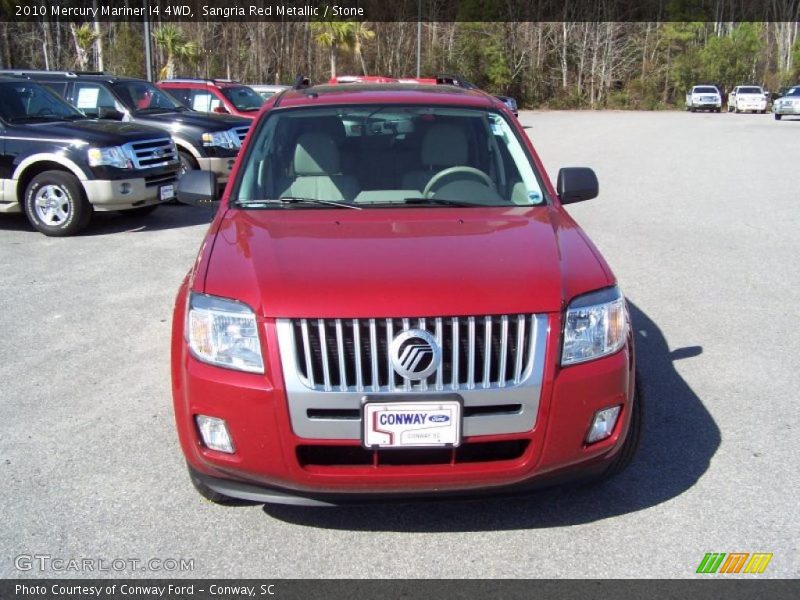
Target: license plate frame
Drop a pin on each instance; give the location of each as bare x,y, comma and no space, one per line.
445,434
167,192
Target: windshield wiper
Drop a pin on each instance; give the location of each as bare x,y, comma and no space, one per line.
438,202
293,200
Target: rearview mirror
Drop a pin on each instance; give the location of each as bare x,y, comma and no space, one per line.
197,188
576,184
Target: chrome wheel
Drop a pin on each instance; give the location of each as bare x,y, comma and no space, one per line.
52,204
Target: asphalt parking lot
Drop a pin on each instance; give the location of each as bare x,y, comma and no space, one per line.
698,216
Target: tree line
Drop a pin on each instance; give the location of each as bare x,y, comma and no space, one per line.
642,65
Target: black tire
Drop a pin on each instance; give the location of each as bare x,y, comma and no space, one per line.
188,163
625,456
207,493
141,211
693,109
778,117
56,205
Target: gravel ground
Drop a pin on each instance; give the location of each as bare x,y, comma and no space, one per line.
697,215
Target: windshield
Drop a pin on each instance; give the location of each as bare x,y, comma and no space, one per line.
243,98
705,90
795,91
27,101
379,156
141,96
750,90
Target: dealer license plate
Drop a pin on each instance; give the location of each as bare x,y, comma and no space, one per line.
412,424
167,192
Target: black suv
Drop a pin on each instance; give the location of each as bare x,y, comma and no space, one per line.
59,167
205,141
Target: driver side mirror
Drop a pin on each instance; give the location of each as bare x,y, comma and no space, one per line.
109,112
198,188
576,184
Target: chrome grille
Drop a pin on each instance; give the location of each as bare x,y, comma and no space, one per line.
353,354
241,132
146,154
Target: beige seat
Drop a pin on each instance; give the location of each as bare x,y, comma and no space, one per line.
316,171
444,146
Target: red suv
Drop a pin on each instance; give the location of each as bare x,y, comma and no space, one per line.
215,95
392,301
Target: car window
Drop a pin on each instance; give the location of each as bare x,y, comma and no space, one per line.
374,156
90,97
705,90
203,101
243,98
750,90
182,95
144,96
26,101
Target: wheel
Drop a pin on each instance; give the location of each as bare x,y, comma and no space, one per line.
188,163
631,444
692,109
141,211
55,204
736,109
207,493
778,117
763,112
717,110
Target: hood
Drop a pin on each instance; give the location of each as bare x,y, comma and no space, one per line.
199,121
93,132
401,262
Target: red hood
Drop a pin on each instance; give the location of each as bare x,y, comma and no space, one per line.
402,262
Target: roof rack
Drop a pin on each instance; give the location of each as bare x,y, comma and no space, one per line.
301,82
24,72
456,80
199,80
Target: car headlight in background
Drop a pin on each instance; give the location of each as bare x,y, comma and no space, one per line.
223,332
596,325
113,156
222,139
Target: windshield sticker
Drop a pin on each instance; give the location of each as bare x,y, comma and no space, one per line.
87,97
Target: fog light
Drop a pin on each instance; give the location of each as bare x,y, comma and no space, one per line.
603,424
215,433
125,188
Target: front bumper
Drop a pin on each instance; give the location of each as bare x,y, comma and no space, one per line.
121,194
786,110
273,464
220,166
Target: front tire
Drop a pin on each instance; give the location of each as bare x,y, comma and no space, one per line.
188,163
778,117
55,204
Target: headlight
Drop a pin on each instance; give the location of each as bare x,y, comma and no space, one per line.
596,325
113,156
223,332
223,139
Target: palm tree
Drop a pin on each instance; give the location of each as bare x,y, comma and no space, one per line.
172,40
334,35
361,32
84,37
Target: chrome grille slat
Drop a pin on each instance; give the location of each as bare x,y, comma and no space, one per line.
146,154
484,352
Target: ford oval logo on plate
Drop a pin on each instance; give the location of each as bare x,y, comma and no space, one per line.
438,418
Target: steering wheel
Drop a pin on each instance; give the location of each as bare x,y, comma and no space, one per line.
428,192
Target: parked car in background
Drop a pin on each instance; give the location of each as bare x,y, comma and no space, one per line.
393,301
205,141
704,97
510,102
788,104
221,96
58,167
267,91
746,98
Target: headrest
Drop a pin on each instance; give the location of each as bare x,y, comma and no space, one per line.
316,154
444,145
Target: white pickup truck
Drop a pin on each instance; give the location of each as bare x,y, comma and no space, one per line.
745,98
704,97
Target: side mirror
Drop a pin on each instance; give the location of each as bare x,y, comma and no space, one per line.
197,188
221,110
109,112
576,184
